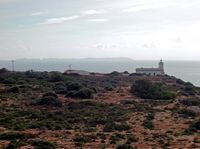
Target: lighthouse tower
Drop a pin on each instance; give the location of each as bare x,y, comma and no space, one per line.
161,66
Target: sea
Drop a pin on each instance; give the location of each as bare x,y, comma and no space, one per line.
188,71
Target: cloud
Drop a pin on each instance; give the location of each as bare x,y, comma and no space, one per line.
149,6
107,45
149,45
59,20
98,20
93,12
7,1
178,40
37,13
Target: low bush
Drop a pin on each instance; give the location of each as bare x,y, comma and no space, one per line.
50,94
109,87
3,70
128,102
83,93
82,139
114,73
148,90
14,136
125,146
60,88
195,127
131,138
189,88
56,77
110,127
190,102
71,94
14,144
73,86
148,124
8,81
185,113
116,137
179,81
122,127
42,144
14,89
50,101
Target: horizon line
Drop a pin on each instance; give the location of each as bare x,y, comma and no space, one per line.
85,58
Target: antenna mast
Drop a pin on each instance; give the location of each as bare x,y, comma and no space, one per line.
13,65
70,67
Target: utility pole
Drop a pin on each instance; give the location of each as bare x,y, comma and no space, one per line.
70,67
13,65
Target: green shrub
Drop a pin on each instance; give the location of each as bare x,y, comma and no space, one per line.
42,144
131,138
50,101
8,81
31,74
14,89
14,136
60,88
122,127
14,145
150,116
3,70
116,137
110,127
148,90
114,73
194,127
190,102
84,93
71,94
108,87
56,77
179,81
185,113
148,124
128,102
125,146
80,140
50,94
73,86
189,88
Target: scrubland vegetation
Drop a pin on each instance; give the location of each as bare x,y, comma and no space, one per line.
48,110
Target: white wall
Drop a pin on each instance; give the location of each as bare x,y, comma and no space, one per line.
152,73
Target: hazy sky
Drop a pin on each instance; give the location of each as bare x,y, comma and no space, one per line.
139,29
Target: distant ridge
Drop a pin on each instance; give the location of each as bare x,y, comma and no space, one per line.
125,59
109,59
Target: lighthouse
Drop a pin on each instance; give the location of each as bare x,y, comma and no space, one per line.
161,66
152,71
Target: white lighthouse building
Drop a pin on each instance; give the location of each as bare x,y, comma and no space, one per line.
152,71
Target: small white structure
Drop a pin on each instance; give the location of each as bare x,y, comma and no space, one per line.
79,72
152,71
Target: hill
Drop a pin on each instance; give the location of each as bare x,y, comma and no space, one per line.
54,110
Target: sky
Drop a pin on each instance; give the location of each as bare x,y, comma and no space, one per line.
138,29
